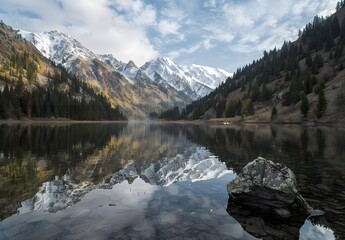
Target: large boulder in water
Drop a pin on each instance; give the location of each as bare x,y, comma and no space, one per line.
268,187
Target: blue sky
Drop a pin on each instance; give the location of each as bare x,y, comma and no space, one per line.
216,33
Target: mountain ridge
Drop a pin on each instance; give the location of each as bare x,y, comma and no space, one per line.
63,49
135,100
32,86
301,82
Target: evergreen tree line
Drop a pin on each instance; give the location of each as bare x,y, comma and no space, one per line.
322,34
79,102
170,114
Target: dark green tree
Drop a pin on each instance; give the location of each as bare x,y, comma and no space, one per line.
321,103
3,110
274,113
31,71
335,28
305,106
308,60
255,92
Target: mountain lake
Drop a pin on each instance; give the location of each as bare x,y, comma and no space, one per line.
160,181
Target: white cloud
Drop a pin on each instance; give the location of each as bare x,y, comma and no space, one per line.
190,50
327,7
166,27
224,36
210,4
173,11
238,15
96,24
299,7
263,24
135,29
135,11
207,44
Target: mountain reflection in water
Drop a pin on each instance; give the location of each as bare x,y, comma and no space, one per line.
195,164
154,181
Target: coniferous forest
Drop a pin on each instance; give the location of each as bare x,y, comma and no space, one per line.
77,101
287,77
32,86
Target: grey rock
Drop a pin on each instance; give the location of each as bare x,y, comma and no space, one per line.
270,188
255,225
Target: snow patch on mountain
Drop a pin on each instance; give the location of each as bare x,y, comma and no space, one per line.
59,47
195,81
112,61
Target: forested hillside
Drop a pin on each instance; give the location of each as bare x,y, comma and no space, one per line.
303,81
31,86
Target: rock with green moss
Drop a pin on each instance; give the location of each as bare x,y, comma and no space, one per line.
268,187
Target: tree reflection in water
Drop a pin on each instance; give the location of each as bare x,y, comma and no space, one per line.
31,155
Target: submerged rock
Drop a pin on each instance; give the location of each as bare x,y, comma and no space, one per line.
268,187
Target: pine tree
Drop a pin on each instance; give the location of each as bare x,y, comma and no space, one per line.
31,71
305,106
274,113
309,60
255,92
2,106
321,103
248,107
335,28
15,103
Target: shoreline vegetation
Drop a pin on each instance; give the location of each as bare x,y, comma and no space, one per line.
209,122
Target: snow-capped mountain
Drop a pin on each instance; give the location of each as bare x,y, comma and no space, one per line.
134,92
158,82
70,53
112,61
130,70
208,76
195,80
58,47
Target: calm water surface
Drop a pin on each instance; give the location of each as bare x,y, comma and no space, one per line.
160,181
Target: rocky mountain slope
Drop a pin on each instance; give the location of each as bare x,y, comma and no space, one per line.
195,81
32,86
134,100
302,81
155,86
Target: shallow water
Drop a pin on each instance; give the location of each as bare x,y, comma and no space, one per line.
159,181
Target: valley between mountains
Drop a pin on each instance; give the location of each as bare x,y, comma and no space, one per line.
52,75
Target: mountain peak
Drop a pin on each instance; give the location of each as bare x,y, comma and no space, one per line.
108,55
194,81
131,64
58,47
56,32
165,60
